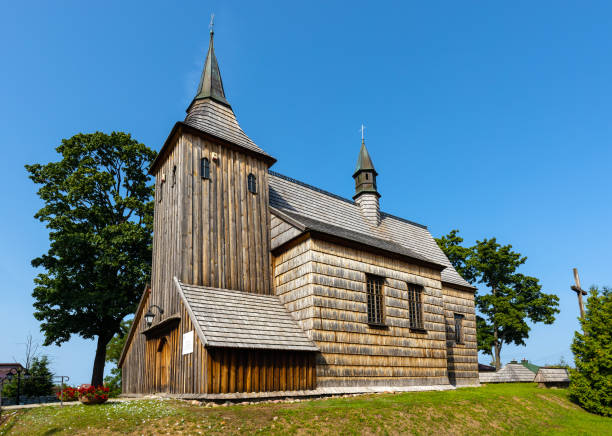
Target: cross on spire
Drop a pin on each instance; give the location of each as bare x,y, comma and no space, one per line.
362,135
211,26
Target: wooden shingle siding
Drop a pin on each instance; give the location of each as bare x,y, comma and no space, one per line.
292,196
463,357
281,232
323,285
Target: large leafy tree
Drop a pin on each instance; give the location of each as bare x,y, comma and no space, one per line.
98,207
511,298
591,381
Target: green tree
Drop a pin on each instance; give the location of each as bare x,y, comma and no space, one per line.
98,207
37,383
40,380
591,381
113,354
512,298
457,254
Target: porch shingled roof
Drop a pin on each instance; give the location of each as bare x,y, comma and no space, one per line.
236,319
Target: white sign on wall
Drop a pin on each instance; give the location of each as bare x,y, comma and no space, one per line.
188,342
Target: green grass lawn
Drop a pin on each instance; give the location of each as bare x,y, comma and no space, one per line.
493,409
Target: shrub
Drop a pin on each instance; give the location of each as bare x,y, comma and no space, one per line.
591,381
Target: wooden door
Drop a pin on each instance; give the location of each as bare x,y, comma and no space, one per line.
162,360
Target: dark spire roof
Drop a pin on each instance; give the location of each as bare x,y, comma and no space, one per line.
211,85
365,174
364,162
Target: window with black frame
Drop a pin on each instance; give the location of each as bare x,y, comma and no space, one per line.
252,182
458,328
374,288
205,168
415,306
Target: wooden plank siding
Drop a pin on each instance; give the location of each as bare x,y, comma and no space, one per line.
462,359
236,370
186,373
210,232
323,285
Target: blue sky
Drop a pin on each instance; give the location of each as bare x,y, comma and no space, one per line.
487,117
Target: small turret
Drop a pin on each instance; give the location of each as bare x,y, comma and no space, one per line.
366,194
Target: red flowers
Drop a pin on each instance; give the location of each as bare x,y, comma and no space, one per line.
93,392
68,394
87,394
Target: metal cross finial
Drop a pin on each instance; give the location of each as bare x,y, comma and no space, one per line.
362,135
211,26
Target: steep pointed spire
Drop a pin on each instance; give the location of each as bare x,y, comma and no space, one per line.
211,85
364,162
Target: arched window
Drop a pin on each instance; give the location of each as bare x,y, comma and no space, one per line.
252,183
205,168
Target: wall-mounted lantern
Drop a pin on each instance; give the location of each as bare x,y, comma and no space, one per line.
148,317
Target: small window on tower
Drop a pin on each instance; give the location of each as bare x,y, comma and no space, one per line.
252,182
173,175
205,168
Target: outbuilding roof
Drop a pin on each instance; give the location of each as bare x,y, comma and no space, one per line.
305,202
236,319
511,373
552,375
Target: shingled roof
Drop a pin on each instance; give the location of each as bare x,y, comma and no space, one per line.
219,120
304,202
511,373
236,319
552,375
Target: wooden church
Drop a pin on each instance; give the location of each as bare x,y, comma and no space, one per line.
261,283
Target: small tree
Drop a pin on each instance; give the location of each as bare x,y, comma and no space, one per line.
98,205
591,381
38,382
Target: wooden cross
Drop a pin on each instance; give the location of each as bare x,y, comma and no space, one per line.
579,291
